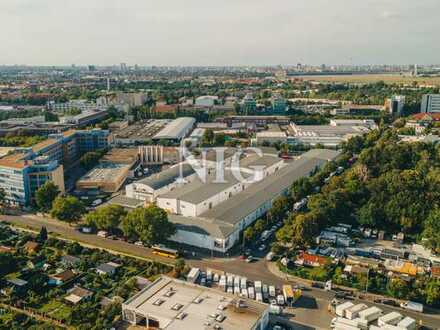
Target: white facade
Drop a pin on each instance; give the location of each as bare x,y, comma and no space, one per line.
206,101
430,103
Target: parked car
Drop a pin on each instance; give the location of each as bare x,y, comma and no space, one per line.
262,247
389,302
250,259
139,243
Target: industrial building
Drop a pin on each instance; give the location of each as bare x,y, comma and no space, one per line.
84,118
173,304
107,177
328,135
176,130
149,188
138,133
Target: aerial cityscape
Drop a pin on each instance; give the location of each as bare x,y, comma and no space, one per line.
238,165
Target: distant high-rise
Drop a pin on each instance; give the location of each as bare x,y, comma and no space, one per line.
91,68
395,105
430,103
279,104
249,105
416,70
108,84
124,67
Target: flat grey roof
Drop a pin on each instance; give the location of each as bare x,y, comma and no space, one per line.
255,160
197,191
166,177
181,300
125,201
221,219
176,129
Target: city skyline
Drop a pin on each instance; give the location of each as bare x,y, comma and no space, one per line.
250,33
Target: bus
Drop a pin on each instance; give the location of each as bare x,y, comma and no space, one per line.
163,251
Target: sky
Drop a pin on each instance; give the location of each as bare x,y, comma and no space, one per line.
221,32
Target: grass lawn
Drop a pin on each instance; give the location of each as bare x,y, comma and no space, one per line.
50,306
371,78
62,312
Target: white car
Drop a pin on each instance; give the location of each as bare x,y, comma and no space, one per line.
139,243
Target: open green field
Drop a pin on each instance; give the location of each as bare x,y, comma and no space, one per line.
371,78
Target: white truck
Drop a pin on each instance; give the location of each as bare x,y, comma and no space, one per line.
193,275
340,323
340,309
251,292
280,300
244,293
391,319
222,282
230,280
275,309
258,286
243,283
370,314
412,306
272,291
265,290
408,323
353,312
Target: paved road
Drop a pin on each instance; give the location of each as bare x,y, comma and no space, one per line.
310,309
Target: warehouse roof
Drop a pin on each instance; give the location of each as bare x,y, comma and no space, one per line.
255,160
244,203
164,178
198,191
176,129
221,219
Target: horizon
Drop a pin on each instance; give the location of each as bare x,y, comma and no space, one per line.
244,33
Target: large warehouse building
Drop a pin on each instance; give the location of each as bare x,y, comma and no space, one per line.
219,227
210,214
176,130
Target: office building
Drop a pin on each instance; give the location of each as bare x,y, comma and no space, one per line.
172,304
395,105
249,105
27,169
279,104
430,103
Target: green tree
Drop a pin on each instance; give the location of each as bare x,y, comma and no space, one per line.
431,233
68,209
208,137
219,139
432,292
248,234
259,226
8,264
45,195
279,208
398,288
107,217
149,224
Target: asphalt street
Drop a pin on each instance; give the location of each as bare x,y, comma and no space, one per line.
310,312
